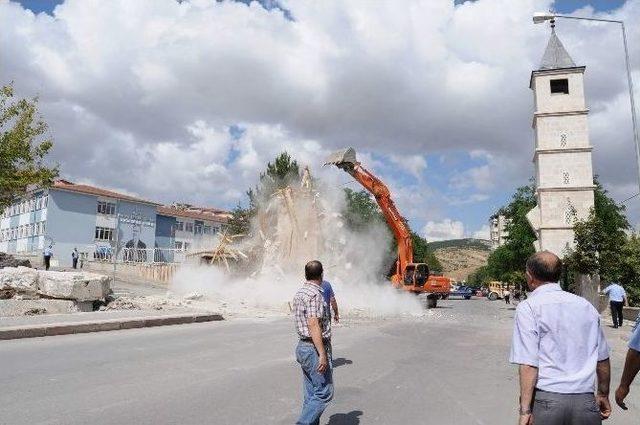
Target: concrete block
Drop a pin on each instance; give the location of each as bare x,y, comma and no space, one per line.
630,313
21,279
78,286
15,307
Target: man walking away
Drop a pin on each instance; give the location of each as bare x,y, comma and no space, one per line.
631,366
330,300
507,296
313,323
560,348
74,258
617,296
47,253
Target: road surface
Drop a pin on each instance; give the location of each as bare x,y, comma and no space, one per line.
449,367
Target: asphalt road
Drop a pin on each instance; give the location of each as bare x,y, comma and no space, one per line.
449,367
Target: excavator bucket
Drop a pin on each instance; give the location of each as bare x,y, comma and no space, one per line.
343,156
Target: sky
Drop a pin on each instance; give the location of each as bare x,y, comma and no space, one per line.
187,101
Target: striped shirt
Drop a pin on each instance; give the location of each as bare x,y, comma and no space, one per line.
308,302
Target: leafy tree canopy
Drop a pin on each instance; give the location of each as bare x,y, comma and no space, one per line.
22,147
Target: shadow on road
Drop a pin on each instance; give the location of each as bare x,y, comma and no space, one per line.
341,361
351,418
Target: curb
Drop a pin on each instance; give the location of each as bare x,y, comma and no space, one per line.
51,329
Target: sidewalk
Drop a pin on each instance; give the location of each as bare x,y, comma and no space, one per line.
97,321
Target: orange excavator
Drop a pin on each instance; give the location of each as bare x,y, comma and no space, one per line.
408,276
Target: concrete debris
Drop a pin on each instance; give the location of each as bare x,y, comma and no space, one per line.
20,279
78,286
16,307
7,260
193,296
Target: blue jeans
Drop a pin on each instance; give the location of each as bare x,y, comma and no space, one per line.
318,387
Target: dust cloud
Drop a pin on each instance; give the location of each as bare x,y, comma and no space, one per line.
298,224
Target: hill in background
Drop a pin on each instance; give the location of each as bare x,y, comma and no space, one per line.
461,257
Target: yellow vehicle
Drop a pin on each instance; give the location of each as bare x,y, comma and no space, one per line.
497,289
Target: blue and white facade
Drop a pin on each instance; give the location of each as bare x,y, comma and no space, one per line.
95,221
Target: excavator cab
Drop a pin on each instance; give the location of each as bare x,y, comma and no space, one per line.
416,275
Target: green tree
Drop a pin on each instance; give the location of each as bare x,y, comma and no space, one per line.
423,254
23,147
360,210
630,268
511,257
240,221
282,172
599,240
480,277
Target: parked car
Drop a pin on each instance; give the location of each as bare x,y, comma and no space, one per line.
462,291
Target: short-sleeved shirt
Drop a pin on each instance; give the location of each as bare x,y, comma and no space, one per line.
615,292
327,292
47,252
309,302
634,341
560,334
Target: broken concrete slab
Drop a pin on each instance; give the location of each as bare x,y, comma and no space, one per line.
14,307
7,260
78,286
21,279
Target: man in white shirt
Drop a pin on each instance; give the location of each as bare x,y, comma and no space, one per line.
560,348
631,366
617,297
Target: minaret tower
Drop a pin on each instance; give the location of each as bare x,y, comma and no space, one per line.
562,158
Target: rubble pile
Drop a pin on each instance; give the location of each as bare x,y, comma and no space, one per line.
24,290
7,260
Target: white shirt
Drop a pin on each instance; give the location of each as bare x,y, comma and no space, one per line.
560,334
615,292
634,341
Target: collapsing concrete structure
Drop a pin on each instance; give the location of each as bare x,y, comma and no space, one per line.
562,158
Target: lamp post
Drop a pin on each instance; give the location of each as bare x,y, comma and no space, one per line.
540,17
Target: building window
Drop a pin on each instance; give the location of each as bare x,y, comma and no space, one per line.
179,225
104,234
565,178
106,208
560,86
177,245
563,140
207,230
188,227
186,246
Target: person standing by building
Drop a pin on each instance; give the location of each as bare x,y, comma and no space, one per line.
631,366
507,296
330,300
313,352
617,297
74,258
47,253
560,348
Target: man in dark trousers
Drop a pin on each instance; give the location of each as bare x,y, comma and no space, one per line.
560,348
74,257
47,253
617,297
313,323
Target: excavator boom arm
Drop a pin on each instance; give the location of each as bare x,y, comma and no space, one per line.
346,160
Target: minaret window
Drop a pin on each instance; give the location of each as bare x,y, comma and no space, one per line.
565,177
560,86
563,140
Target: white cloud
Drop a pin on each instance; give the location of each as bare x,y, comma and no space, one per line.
140,94
482,233
443,230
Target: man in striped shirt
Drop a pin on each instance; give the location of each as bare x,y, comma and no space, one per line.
313,324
